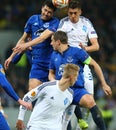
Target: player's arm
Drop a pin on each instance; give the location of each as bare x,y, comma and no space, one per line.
51,75
100,75
2,109
9,60
93,47
29,97
9,89
46,34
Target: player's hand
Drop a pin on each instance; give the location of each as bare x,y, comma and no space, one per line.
20,48
25,104
82,46
20,125
7,63
107,89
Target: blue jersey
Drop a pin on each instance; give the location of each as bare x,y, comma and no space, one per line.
71,55
6,85
35,26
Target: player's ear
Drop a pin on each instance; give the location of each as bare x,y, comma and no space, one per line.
59,42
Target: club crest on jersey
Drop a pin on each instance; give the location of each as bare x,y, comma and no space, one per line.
84,28
65,101
46,25
33,93
69,59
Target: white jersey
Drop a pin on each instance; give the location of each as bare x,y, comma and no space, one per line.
77,33
50,105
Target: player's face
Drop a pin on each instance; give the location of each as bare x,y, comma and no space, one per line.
74,14
46,13
55,44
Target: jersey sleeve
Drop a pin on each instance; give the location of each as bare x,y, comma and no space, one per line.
27,27
91,31
62,26
6,85
54,25
31,96
83,55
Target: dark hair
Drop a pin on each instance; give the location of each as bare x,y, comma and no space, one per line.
49,4
74,4
62,36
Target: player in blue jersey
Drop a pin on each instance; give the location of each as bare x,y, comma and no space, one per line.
40,27
66,54
4,83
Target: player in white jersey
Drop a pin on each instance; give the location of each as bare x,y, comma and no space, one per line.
80,31
52,99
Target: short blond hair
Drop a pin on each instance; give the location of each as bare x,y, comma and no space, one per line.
70,69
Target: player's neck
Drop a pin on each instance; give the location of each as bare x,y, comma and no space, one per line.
63,84
63,48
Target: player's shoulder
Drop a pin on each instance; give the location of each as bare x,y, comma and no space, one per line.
65,19
34,16
50,83
85,20
55,18
47,85
2,70
71,91
74,48
1,66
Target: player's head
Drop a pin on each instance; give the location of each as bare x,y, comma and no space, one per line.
59,38
71,71
47,10
74,10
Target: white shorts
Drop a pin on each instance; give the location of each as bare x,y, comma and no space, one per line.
89,85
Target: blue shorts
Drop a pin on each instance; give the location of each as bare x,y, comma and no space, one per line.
3,123
78,94
37,73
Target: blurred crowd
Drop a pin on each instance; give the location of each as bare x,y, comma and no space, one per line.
14,14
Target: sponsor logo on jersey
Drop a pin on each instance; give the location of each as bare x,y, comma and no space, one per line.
61,70
39,32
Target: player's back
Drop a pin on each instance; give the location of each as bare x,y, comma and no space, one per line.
50,106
